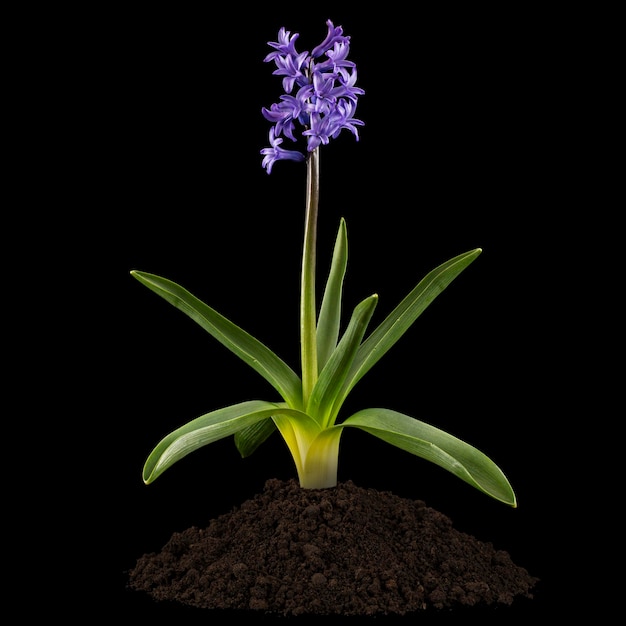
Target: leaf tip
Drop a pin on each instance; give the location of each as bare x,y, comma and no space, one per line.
147,476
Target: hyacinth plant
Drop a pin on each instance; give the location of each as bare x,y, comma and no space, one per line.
319,101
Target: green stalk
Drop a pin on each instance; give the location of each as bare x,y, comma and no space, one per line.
308,338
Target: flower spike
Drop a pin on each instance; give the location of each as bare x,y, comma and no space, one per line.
325,99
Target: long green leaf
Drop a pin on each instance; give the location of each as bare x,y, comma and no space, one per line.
248,439
329,383
245,346
437,446
209,428
329,319
403,316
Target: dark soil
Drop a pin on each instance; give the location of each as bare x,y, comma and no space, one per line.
344,551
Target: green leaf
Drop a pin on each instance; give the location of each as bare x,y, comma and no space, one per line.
205,430
250,438
330,312
250,350
322,403
437,446
403,316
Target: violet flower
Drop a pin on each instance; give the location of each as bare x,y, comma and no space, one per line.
326,97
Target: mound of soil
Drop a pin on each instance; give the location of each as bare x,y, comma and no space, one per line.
340,551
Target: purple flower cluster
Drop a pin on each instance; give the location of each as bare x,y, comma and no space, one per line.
325,94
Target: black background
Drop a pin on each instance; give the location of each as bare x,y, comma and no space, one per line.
467,143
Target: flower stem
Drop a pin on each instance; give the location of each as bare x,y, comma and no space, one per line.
308,338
